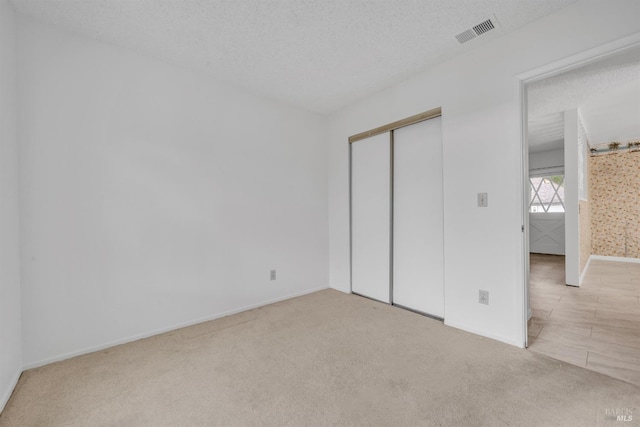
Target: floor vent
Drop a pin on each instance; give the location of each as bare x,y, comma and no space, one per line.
477,30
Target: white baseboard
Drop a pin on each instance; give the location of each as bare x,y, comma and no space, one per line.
606,258
614,258
483,333
7,393
584,272
92,349
345,290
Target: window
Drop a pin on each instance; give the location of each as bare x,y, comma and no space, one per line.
547,194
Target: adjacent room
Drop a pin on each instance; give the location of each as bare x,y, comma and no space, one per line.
584,146
317,213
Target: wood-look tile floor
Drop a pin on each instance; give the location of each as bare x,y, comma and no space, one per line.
596,326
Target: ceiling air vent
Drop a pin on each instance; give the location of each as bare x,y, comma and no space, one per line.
477,30
466,36
484,27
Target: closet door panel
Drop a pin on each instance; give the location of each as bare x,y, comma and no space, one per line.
370,217
418,253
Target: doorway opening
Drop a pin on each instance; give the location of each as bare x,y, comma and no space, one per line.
581,189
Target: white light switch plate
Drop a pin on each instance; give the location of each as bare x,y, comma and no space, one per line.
483,200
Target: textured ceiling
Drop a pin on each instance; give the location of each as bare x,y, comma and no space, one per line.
606,92
546,132
317,54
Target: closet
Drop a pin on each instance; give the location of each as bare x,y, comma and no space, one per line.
397,253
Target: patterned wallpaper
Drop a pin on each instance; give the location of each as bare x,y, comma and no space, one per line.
614,186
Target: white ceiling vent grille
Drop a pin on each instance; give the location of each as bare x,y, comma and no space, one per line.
484,27
466,36
477,30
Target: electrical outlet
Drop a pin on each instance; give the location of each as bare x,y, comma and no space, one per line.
272,275
483,200
483,297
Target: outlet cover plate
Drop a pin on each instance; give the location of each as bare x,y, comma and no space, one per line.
483,297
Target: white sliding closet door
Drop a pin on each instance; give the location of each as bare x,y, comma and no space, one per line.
370,217
418,254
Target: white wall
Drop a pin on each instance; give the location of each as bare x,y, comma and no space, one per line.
154,197
546,159
479,96
10,335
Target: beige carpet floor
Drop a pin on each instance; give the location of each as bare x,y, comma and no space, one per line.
317,360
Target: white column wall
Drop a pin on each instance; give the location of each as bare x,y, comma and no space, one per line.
571,199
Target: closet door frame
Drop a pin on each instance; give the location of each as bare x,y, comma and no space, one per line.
390,127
